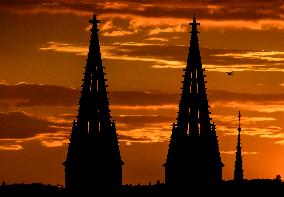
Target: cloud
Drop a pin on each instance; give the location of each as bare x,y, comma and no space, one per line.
236,14
153,132
234,152
174,56
142,116
175,8
267,107
222,95
142,119
118,33
27,95
65,47
53,140
19,125
179,28
157,39
10,147
280,142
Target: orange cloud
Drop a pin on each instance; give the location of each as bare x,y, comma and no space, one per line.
268,107
118,33
220,60
157,39
65,47
234,152
149,107
159,132
10,147
262,24
178,28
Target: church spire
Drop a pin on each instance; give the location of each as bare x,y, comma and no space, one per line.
238,173
193,114
193,156
93,160
93,114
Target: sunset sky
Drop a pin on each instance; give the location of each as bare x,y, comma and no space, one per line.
144,45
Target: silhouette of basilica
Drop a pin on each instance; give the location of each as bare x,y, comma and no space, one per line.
193,159
93,160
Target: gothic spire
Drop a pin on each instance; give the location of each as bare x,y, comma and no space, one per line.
193,156
94,114
238,173
193,114
93,160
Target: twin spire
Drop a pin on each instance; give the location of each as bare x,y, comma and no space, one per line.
93,160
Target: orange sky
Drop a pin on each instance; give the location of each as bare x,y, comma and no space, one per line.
144,47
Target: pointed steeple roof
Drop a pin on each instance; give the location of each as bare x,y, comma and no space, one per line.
238,173
93,161
193,114
193,157
94,113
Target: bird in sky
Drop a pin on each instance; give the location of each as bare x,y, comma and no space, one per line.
230,73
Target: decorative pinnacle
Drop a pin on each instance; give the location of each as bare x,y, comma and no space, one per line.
239,129
94,20
194,24
95,23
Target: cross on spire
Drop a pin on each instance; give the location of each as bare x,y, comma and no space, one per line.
194,24
239,129
95,22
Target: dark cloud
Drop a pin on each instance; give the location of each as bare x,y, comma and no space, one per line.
18,125
29,95
133,139
220,95
258,59
127,122
150,119
237,9
142,98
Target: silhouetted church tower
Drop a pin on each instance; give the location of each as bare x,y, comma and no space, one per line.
93,160
193,159
238,173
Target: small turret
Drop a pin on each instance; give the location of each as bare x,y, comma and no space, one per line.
238,173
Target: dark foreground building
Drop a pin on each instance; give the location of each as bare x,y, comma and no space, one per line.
193,159
93,162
